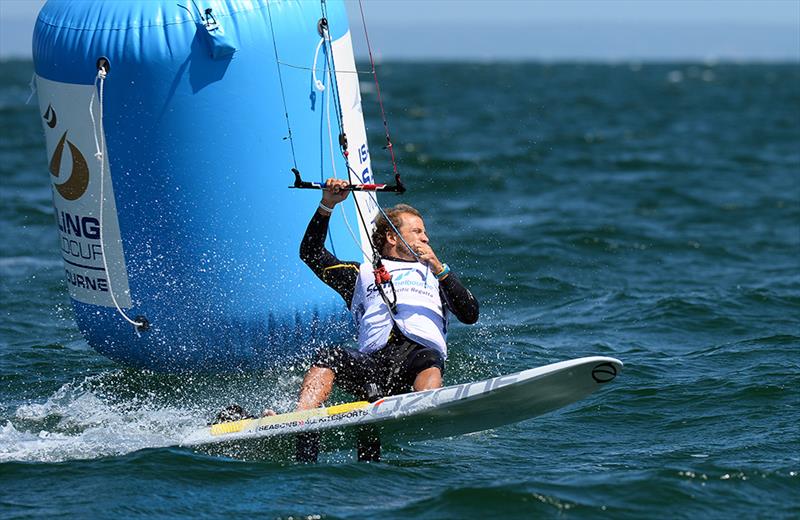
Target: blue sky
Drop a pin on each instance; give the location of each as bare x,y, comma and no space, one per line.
602,30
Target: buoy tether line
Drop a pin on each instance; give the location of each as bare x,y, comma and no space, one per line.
103,67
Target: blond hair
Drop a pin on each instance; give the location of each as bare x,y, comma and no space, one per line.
383,227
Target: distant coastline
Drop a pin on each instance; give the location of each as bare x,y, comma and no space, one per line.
540,41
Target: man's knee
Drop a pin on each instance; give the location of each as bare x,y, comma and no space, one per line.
319,377
428,379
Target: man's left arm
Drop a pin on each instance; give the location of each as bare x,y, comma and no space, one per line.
459,299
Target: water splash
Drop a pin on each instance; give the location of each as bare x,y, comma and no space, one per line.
122,411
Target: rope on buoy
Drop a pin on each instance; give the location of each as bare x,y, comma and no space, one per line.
140,323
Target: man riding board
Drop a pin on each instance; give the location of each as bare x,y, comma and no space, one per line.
402,325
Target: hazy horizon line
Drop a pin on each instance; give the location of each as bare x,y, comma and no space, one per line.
518,40
712,62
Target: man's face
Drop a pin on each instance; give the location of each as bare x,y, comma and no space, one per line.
412,229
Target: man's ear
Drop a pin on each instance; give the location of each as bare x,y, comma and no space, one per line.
391,238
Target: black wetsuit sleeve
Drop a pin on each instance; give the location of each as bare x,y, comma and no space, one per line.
459,299
340,276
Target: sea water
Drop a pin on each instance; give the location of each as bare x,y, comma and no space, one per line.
649,212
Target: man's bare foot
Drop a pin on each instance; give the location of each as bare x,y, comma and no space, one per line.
269,412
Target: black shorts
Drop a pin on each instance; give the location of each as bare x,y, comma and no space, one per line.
391,369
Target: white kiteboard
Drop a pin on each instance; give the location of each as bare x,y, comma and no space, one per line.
417,416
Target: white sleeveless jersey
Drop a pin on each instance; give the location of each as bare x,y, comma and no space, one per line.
420,311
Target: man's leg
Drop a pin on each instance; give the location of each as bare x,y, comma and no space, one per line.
316,388
369,442
428,379
348,369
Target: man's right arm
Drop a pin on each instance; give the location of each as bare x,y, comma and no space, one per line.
340,276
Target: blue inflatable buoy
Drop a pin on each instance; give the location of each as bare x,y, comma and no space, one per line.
171,130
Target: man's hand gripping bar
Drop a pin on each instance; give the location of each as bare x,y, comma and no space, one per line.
299,183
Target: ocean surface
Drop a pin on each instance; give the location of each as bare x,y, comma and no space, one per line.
649,212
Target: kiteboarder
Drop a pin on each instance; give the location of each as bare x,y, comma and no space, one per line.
400,303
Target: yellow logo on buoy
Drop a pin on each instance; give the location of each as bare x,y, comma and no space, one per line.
77,183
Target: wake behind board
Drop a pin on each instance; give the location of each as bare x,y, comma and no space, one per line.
417,416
